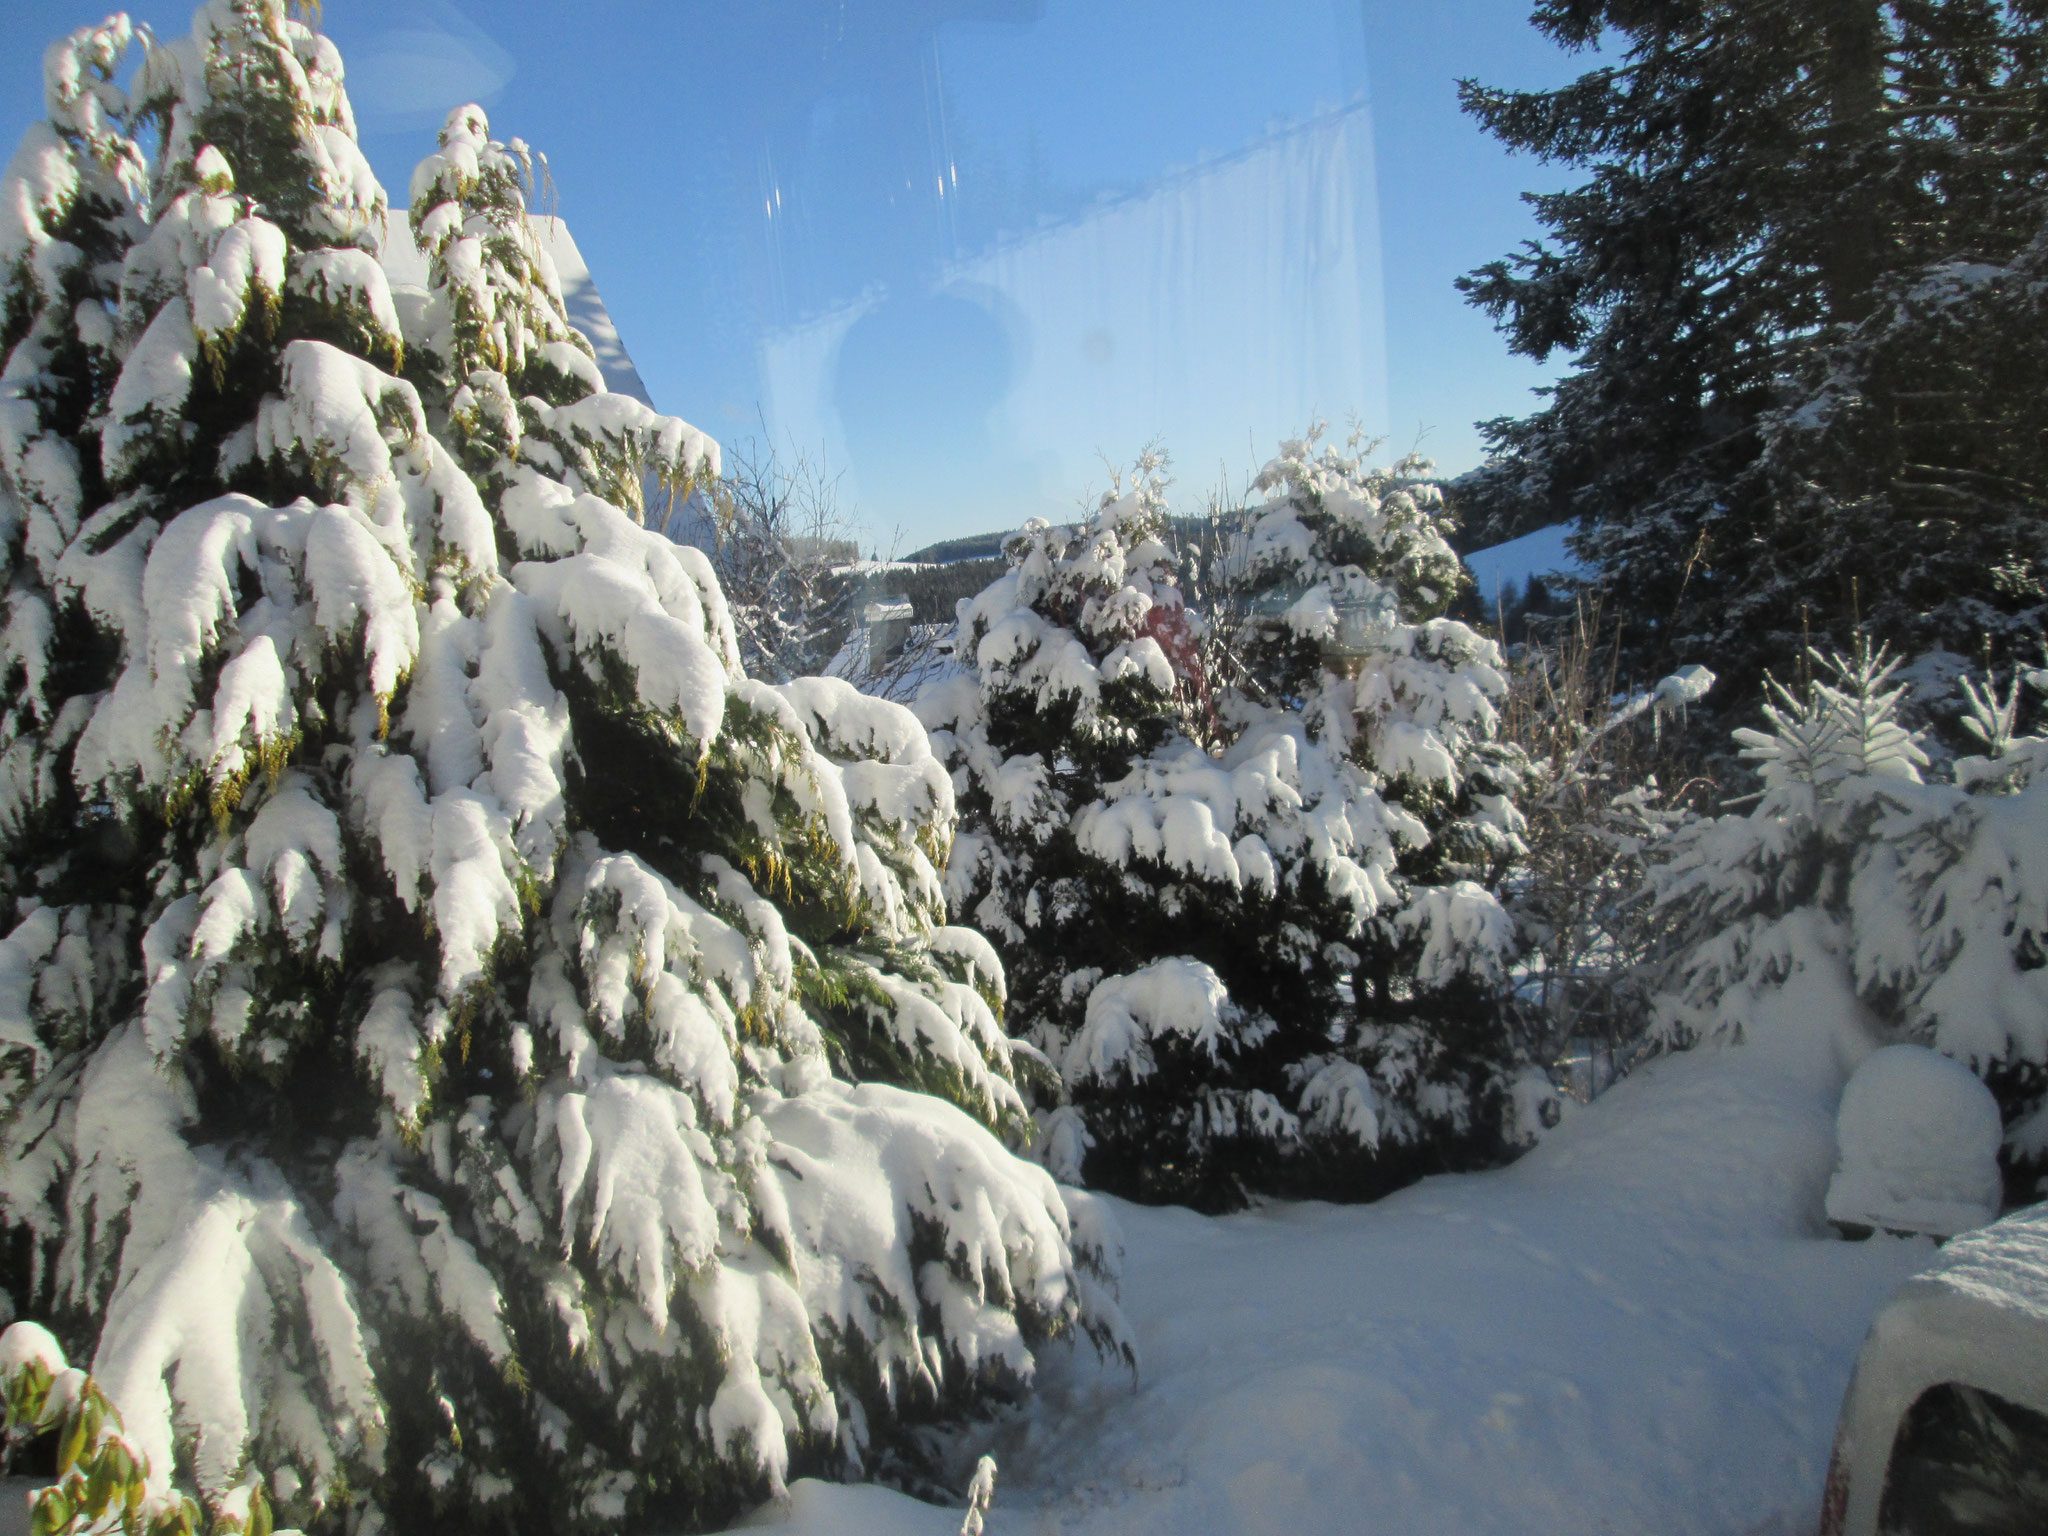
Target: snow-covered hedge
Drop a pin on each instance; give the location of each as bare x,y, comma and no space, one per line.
1187,870
469,1056
1928,898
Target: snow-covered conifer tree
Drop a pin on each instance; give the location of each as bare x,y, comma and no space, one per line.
1182,883
1765,894
73,206
473,1058
1798,285
1338,586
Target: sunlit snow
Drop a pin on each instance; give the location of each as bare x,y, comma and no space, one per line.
1643,1326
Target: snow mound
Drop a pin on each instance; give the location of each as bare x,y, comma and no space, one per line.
856,1511
1918,1135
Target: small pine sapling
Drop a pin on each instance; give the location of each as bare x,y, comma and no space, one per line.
1761,895
1928,899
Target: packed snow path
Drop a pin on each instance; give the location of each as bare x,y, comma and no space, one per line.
1641,1327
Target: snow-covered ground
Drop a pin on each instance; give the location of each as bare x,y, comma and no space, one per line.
1507,567
1644,1326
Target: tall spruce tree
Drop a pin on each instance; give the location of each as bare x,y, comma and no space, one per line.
470,1058
1186,883
1909,467
1751,447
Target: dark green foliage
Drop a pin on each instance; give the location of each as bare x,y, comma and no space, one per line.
418,928
1233,871
1913,474
1769,434
936,591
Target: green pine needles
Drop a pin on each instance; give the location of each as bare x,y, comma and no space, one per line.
1239,873
1798,276
469,1055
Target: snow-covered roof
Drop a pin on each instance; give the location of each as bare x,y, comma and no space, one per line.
405,263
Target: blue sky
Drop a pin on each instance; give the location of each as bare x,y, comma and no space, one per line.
964,251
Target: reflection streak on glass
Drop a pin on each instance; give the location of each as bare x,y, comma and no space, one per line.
1001,247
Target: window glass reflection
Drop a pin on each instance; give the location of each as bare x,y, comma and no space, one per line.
994,243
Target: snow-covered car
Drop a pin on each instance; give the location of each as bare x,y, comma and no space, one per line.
1944,1430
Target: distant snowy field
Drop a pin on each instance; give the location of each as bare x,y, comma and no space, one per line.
1508,567
1641,1327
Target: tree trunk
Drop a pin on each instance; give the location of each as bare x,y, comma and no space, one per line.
1850,76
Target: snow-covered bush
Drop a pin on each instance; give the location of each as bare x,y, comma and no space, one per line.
470,1056
1930,899
1607,780
1067,860
1187,880
1338,584
1916,1146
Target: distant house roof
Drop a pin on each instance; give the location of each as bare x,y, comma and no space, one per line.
406,264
